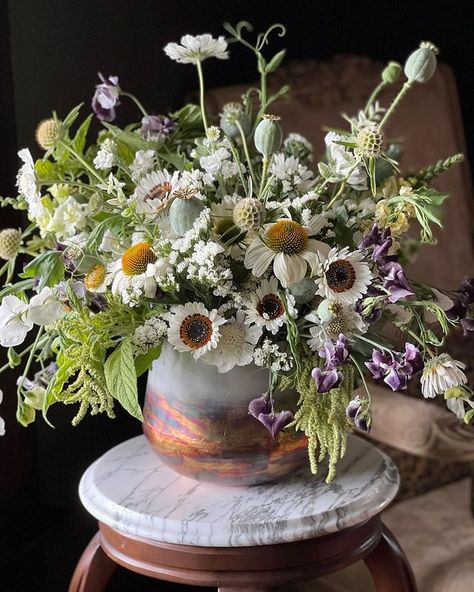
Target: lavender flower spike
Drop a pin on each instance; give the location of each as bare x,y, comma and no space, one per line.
106,97
261,409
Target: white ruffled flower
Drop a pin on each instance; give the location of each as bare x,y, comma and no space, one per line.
219,162
344,276
291,172
14,321
193,329
45,308
344,162
265,307
105,157
27,184
192,50
67,218
441,373
144,161
287,245
236,344
155,190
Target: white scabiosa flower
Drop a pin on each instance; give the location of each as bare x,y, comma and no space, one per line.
27,184
344,276
193,329
45,308
287,245
128,274
265,307
155,190
14,321
344,162
192,50
236,344
441,373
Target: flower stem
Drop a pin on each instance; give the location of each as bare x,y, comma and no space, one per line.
405,88
374,95
30,358
246,151
85,164
265,163
136,101
361,374
201,94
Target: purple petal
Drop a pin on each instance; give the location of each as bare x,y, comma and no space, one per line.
326,379
353,408
413,357
275,422
260,406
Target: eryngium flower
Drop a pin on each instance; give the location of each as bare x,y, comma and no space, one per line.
192,50
440,374
106,97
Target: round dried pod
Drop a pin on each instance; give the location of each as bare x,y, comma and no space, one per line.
248,214
47,133
421,64
369,142
268,135
183,213
10,241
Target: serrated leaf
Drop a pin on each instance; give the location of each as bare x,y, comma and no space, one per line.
144,361
121,378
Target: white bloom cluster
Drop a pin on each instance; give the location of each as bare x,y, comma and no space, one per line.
270,355
149,335
220,162
293,175
184,244
27,184
207,266
142,163
105,157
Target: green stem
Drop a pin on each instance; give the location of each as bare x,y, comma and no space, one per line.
246,151
30,358
405,88
375,344
341,188
85,164
136,101
361,374
201,94
237,160
374,95
265,164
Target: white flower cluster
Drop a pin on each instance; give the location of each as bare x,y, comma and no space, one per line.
219,163
142,163
270,355
105,157
149,335
293,175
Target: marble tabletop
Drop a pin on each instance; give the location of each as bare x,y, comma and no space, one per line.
131,490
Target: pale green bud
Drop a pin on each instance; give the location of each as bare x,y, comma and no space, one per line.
233,113
391,72
421,64
268,135
183,213
454,392
303,291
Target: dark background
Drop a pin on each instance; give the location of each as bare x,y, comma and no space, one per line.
50,52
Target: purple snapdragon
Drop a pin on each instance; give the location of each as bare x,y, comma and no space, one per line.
156,127
334,354
262,409
106,98
396,369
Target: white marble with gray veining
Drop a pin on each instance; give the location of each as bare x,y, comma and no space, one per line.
131,490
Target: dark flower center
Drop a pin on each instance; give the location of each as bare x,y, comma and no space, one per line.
159,191
271,306
196,331
340,275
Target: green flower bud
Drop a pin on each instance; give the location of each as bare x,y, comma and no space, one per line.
183,213
233,113
25,414
391,72
10,241
268,135
421,64
454,392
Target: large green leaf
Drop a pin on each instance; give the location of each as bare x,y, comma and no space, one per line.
48,267
144,361
121,378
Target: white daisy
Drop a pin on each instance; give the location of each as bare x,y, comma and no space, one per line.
27,184
192,328
441,373
337,318
286,243
155,190
344,276
266,308
128,274
236,344
192,50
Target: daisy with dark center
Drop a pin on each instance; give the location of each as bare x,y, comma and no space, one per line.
266,308
287,244
155,191
345,276
129,273
193,329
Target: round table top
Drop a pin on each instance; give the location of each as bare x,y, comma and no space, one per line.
131,490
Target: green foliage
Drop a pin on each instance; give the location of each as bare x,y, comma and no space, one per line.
48,267
429,173
143,361
79,140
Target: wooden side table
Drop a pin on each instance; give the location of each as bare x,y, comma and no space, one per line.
240,539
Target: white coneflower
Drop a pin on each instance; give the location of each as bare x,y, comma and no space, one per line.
129,274
331,319
441,373
192,50
266,308
287,244
236,344
344,276
193,329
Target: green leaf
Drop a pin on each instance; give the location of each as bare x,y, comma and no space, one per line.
48,267
189,116
144,361
121,378
45,170
468,416
18,287
276,60
79,141
72,116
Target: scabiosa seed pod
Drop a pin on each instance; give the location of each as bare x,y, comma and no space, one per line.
183,213
303,291
421,64
391,72
369,142
233,113
248,214
47,133
329,310
10,241
268,135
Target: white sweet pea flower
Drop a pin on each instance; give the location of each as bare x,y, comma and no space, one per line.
192,50
344,162
27,184
45,307
14,321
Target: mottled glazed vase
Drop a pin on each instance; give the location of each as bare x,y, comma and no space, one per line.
197,421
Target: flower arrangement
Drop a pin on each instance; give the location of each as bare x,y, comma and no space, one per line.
220,237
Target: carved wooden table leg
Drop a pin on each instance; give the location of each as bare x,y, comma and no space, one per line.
93,570
389,567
